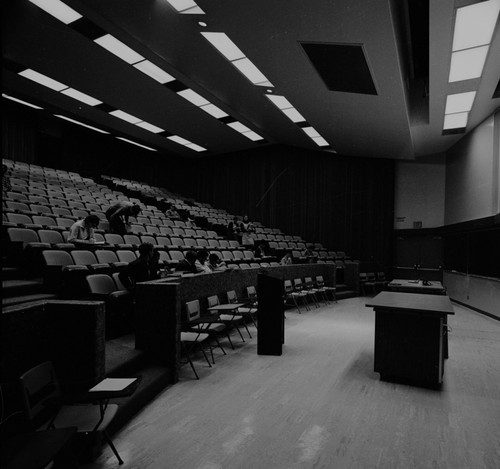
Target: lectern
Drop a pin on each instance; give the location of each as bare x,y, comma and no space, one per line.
271,331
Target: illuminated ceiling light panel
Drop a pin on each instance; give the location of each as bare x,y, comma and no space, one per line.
58,10
214,111
460,102
293,115
84,98
150,127
279,101
224,45
20,101
126,117
154,72
252,136
455,121
311,132
248,69
179,140
81,123
42,80
195,147
118,48
475,24
135,143
320,141
186,7
193,97
239,127
467,64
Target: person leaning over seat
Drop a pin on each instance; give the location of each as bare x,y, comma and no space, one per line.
118,216
82,231
144,268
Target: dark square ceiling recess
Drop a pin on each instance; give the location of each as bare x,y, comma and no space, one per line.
342,67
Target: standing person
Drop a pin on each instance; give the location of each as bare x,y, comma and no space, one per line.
82,231
246,229
232,229
118,215
144,268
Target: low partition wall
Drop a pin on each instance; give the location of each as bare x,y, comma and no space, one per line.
160,303
68,333
479,293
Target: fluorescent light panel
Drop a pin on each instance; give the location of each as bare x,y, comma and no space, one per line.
186,7
239,127
233,53
193,97
154,71
320,141
459,102
135,143
125,116
279,101
311,132
78,95
119,49
467,64
179,140
81,123
224,45
455,121
20,101
195,147
252,136
42,80
58,10
293,115
214,111
475,24
152,128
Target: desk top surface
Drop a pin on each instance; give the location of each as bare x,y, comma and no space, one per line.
415,284
226,307
412,302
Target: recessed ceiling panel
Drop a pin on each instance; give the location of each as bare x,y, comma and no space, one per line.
342,67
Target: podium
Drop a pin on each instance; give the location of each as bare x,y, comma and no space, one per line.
271,317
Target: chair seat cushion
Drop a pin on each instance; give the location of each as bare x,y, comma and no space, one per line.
193,337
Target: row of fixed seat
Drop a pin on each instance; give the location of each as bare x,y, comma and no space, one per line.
372,282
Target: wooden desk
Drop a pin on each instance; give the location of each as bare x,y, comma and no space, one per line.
416,286
410,333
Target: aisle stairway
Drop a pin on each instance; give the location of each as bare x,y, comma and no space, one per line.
17,289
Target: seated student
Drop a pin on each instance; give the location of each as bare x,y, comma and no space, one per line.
82,231
188,264
201,261
172,213
232,229
118,216
286,259
216,264
144,268
309,254
260,251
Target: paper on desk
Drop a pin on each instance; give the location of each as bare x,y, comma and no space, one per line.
113,384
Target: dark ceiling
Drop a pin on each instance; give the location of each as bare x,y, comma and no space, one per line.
400,53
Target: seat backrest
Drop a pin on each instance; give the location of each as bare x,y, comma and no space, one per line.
118,282
19,218
152,229
50,236
131,239
24,235
227,255
40,393
61,211
192,310
213,301
43,220
238,255
177,241
231,297
148,239
251,291
248,254
112,238
126,255
19,206
166,231
163,241
65,222
105,256
288,286
164,257
176,255
319,281
54,257
213,243
100,284
83,257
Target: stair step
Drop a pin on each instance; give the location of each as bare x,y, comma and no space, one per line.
13,286
15,300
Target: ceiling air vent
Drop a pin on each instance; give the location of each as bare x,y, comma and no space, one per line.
342,67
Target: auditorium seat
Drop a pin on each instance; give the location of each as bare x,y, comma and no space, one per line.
175,255
88,259
106,256
61,275
232,319
163,241
117,241
54,239
119,304
126,255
